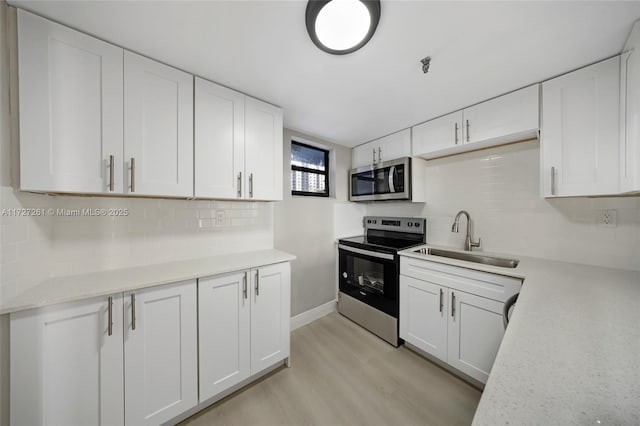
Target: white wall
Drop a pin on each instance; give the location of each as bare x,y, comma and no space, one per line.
499,187
308,226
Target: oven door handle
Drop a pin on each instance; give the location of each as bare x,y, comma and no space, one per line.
392,185
366,252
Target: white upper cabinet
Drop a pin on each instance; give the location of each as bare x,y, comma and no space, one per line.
630,113
263,150
160,353
580,135
97,119
158,128
439,134
70,88
364,155
387,148
66,364
238,145
219,141
508,118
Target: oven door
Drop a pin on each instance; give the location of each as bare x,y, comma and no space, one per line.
369,276
390,180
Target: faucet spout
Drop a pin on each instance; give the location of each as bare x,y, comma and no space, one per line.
468,243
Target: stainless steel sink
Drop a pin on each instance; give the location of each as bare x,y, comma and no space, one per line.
471,257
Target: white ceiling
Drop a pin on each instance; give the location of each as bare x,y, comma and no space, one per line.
479,50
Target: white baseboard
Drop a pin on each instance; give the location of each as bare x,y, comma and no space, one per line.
313,314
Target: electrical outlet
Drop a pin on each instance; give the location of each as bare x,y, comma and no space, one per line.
607,218
220,218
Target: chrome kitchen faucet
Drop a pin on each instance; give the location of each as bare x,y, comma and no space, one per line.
468,244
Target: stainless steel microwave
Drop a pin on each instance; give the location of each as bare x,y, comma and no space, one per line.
390,180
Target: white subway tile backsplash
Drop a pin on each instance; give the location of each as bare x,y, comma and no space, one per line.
152,231
499,187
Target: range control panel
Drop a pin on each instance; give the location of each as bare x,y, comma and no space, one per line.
414,225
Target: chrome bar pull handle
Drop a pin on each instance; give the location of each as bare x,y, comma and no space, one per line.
374,156
441,293
453,305
110,316
456,132
244,286
111,173
133,311
240,185
467,130
553,180
250,185
379,154
257,283
133,174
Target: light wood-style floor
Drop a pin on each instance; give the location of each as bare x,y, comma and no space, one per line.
343,375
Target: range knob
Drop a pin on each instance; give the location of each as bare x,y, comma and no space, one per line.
410,224
417,225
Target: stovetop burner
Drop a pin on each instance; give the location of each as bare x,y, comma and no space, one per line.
389,234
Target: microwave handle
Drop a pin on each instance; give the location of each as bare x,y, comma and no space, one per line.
392,172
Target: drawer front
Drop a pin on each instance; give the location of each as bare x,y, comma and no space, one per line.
491,286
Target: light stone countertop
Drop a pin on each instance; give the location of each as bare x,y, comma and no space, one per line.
78,287
571,352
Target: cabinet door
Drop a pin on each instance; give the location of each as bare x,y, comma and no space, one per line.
630,114
224,332
364,155
66,364
70,109
270,309
158,128
436,135
579,138
394,146
263,150
475,331
160,353
219,141
503,117
423,315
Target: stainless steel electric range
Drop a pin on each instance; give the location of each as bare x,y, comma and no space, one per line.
369,272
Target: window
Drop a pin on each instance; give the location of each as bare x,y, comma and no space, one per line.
309,170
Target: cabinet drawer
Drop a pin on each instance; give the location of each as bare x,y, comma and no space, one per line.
492,286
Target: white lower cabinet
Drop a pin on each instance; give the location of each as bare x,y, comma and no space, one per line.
270,315
69,367
423,316
225,334
67,364
160,353
441,315
140,357
475,330
243,325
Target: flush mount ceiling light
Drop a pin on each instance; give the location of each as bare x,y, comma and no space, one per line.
342,26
